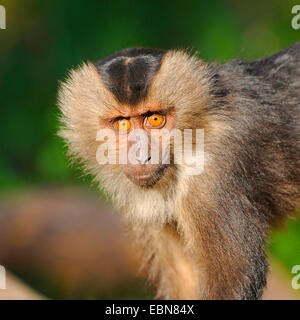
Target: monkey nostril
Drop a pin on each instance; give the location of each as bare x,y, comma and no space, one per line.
147,160
143,161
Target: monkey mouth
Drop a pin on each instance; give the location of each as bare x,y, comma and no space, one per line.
149,179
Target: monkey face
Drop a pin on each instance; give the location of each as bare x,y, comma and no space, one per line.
139,135
133,91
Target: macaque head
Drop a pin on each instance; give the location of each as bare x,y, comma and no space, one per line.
119,114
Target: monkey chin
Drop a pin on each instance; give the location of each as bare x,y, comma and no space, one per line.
148,180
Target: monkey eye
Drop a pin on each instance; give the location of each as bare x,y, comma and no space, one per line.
155,120
122,125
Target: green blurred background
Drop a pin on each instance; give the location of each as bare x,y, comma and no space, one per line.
44,39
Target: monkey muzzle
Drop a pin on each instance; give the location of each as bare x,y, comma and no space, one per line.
144,174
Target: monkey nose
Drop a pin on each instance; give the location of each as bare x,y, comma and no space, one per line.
144,161
143,156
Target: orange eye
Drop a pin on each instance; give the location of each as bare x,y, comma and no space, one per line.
122,125
156,120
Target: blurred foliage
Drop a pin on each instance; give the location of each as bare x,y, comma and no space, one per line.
44,39
285,246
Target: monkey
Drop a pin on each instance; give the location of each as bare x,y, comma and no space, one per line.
200,236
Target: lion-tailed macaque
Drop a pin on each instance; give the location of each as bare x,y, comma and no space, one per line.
199,207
